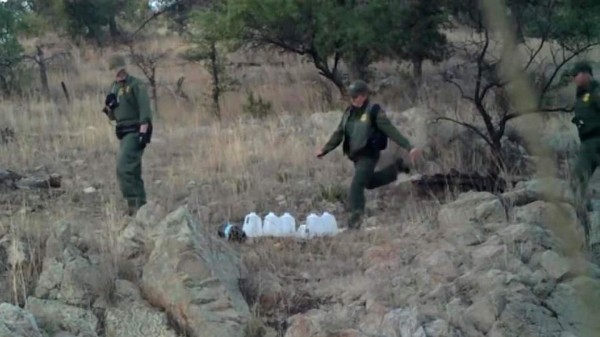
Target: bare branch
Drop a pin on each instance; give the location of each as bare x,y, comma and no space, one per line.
460,89
467,125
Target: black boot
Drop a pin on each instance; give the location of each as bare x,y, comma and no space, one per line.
355,221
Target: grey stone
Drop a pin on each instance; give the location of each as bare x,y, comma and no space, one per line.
577,304
136,320
521,318
53,315
48,284
437,328
472,207
16,322
482,314
195,279
555,265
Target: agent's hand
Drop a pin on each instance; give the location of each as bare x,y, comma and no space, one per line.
144,137
320,154
415,154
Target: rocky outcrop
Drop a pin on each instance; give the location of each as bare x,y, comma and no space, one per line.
194,279
53,315
16,322
133,317
495,269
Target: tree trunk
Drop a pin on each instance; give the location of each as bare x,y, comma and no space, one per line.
417,67
113,29
359,70
41,62
216,90
152,81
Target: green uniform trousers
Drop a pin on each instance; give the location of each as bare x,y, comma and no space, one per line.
129,171
365,177
587,162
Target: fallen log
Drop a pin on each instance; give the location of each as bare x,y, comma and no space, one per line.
15,180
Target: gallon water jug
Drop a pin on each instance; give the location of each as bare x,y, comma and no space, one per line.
253,225
329,224
314,225
287,225
302,232
271,225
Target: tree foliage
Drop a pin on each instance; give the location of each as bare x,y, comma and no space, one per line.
10,48
330,33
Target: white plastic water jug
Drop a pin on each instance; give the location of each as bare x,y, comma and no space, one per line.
329,224
302,232
271,225
287,225
314,225
253,225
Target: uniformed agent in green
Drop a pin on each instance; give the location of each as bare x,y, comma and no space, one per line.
128,105
359,123
587,120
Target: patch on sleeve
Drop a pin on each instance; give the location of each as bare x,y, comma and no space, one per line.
586,98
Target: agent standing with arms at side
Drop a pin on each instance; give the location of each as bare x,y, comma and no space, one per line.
128,105
364,130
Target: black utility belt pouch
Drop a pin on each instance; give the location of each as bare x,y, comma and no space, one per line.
122,130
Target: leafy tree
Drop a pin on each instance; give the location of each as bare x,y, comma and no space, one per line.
10,48
410,30
209,48
332,33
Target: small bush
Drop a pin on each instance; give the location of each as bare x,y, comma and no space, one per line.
257,107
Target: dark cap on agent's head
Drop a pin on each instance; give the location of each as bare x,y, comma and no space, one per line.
357,88
581,67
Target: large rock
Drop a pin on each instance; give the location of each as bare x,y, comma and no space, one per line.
526,319
306,325
132,316
56,316
555,265
48,285
560,219
577,304
472,208
545,189
79,279
195,279
16,322
402,322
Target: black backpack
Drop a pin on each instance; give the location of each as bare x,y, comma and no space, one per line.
378,140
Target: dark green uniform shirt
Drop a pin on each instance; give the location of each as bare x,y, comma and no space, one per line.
587,111
355,128
134,103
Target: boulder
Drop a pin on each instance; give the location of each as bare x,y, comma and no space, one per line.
79,279
396,323
306,325
544,189
577,304
472,207
136,319
48,285
16,322
521,318
555,265
195,279
53,315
